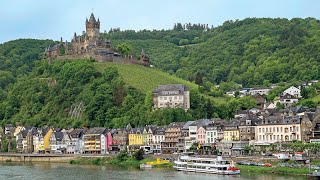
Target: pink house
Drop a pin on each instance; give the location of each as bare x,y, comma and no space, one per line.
201,135
108,140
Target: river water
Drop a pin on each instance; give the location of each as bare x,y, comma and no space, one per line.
64,171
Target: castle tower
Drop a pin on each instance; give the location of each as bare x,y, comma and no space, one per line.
93,28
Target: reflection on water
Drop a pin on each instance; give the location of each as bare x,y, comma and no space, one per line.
83,172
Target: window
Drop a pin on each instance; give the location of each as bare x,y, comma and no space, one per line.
277,129
165,98
259,130
274,129
297,128
263,130
161,98
281,130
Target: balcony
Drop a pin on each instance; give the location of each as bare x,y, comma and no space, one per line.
171,140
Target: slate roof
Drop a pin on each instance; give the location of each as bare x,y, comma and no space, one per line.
187,124
76,133
259,88
201,122
58,136
170,87
96,130
159,131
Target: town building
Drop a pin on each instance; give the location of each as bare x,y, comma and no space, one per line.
119,139
259,90
136,138
185,141
157,138
247,127
287,100
201,135
171,96
212,134
293,91
94,141
172,134
231,131
278,129
76,143
260,100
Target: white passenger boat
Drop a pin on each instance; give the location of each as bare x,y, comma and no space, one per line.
206,165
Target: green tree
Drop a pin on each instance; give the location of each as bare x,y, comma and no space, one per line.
309,104
124,49
183,42
138,155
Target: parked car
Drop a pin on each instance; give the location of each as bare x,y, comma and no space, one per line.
57,152
260,164
268,165
240,162
283,164
268,154
315,167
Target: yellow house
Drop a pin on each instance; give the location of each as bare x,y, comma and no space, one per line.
231,133
47,140
44,140
17,130
135,137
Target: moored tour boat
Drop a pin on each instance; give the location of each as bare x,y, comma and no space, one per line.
206,165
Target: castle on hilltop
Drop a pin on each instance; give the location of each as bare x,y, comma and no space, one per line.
90,45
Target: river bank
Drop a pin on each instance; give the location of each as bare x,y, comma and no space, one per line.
66,171
274,170
118,161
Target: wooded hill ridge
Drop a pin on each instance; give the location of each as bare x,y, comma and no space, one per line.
251,52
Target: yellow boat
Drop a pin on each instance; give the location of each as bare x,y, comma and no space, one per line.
158,162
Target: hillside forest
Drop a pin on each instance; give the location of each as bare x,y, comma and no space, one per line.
251,52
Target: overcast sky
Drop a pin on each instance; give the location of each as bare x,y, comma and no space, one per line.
42,19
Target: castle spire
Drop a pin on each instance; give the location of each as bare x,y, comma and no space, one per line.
92,18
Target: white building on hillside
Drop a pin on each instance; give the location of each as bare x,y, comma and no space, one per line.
259,90
171,96
293,91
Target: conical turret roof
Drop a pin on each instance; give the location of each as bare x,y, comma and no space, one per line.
92,18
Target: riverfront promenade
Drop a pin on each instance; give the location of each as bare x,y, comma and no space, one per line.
23,157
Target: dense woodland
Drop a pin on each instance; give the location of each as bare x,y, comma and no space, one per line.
251,52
